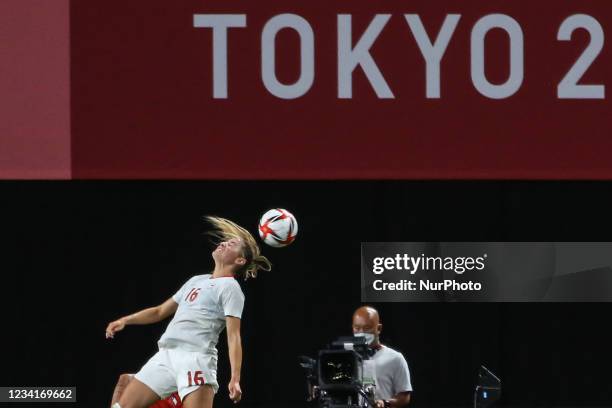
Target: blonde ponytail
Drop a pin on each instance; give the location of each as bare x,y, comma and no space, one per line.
224,230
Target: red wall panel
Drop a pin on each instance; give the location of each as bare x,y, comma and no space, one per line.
34,89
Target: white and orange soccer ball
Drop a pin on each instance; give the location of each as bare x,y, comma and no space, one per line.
278,227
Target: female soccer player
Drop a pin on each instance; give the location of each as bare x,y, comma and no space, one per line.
187,358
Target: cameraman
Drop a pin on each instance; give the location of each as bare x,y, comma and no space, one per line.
393,386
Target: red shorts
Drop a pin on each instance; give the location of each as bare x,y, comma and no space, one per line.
173,401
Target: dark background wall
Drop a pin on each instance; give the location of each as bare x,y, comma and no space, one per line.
76,255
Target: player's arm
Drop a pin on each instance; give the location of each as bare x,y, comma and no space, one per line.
146,316
234,344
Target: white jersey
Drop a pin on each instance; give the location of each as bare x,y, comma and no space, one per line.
203,304
392,374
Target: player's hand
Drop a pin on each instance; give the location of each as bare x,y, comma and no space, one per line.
380,404
114,327
235,393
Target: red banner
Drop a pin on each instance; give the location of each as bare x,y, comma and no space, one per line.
271,89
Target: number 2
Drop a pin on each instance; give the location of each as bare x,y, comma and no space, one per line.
568,88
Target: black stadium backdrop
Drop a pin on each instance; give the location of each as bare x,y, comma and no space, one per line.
77,255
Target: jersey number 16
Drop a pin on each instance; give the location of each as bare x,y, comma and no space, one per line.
192,295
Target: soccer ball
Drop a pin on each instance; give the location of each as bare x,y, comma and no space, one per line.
278,227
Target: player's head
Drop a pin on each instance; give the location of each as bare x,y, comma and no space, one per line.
366,322
236,247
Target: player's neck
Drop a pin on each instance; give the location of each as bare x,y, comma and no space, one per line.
223,272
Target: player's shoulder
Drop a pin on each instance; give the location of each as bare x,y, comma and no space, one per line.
232,285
